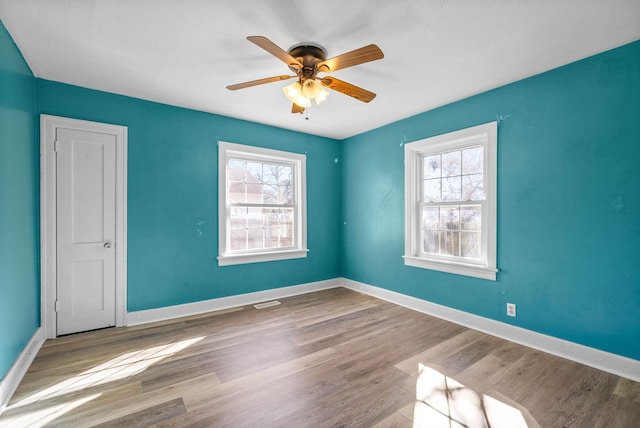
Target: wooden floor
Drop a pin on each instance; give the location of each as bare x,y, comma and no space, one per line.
334,358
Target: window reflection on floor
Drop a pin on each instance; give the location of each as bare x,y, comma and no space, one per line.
443,402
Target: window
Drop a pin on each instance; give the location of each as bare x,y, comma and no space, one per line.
450,197
262,205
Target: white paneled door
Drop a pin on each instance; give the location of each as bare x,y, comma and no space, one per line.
85,230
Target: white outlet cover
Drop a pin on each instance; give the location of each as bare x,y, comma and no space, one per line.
511,309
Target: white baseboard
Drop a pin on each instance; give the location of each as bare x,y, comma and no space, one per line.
612,363
20,366
170,312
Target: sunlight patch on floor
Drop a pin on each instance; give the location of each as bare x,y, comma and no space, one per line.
121,367
443,402
40,418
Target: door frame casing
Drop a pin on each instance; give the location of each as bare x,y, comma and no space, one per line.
48,293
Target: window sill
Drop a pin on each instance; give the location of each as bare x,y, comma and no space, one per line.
482,272
239,259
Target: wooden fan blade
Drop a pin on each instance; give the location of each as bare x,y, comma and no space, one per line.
349,59
295,108
275,50
348,89
259,82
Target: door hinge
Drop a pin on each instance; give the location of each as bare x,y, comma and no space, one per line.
56,306
55,146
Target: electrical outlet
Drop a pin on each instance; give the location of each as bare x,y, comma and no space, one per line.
511,309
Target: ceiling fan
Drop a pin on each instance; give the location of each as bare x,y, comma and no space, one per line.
306,60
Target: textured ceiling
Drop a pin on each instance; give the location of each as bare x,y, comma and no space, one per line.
186,52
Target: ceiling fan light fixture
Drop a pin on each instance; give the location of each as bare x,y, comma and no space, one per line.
322,95
303,101
311,88
293,92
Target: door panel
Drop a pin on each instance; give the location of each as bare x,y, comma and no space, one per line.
85,199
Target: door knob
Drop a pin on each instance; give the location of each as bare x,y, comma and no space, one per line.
107,245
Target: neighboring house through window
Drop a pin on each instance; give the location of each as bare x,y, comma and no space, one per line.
450,197
262,205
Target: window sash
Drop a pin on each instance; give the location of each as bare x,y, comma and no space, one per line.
264,249
480,260
258,160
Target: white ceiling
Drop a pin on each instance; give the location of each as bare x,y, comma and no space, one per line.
186,52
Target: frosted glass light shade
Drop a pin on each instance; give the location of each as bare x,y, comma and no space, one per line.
303,101
302,94
322,95
292,91
311,88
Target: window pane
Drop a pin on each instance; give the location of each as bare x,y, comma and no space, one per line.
272,239
269,177
450,218
255,217
471,217
277,187
286,241
430,217
286,216
239,176
450,244
431,166
431,242
285,230
472,188
284,174
432,190
285,194
283,178
254,172
451,188
271,218
238,239
270,193
270,173
470,245
238,218
255,238
237,163
237,192
472,161
452,163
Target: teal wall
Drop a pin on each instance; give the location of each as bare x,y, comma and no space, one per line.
568,204
173,197
19,218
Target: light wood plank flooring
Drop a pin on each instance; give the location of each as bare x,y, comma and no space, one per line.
334,358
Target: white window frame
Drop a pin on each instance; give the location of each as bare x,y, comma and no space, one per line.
486,136
297,161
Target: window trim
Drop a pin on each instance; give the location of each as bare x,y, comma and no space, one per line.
298,162
485,135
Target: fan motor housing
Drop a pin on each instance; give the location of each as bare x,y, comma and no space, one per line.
309,55
308,49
